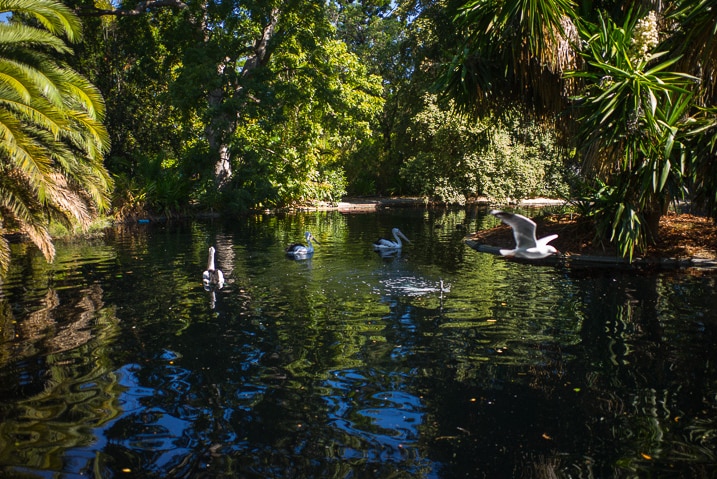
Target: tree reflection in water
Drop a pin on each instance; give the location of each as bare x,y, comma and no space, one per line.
115,362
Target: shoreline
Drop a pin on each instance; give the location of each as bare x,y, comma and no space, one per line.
373,203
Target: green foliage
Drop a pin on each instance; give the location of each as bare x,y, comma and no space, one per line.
632,125
639,129
52,140
336,102
402,42
702,171
182,84
615,219
509,52
158,186
134,61
508,157
695,41
323,103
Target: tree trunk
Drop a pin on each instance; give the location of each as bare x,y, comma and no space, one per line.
222,168
223,124
652,224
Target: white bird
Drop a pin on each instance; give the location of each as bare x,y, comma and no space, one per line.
212,278
299,250
526,244
383,244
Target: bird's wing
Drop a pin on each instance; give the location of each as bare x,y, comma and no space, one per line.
384,242
523,228
547,239
294,247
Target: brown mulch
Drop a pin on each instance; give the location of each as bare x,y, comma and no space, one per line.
680,236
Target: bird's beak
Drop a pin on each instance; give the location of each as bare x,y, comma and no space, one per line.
404,237
313,238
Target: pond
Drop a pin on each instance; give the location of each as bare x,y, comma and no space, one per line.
440,362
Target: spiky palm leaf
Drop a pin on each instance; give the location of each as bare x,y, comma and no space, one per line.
52,139
634,112
514,51
697,39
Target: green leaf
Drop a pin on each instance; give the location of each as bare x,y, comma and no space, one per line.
665,173
653,100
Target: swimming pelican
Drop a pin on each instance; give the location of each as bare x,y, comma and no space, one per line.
383,244
526,244
212,278
299,250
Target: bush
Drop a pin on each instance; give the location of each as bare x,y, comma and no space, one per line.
454,157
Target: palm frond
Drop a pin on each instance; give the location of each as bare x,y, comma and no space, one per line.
24,36
4,250
57,18
20,209
52,140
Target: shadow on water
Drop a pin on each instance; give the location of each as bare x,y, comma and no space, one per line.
438,362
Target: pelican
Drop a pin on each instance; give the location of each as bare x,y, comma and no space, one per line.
212,278
526,244
383,244
299,250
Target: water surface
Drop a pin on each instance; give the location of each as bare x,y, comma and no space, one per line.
115,362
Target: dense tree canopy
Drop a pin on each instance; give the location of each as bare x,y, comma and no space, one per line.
243,104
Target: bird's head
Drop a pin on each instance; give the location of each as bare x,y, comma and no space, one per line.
310,237
398,232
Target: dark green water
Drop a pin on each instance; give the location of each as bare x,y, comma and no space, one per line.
115,362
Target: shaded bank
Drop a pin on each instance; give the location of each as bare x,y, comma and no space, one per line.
685,241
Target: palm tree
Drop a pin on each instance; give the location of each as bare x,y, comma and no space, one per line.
513,52
632,127
52,139
696,40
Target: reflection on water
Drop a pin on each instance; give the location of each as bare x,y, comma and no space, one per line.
435,362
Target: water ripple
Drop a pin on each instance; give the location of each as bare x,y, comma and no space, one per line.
387,422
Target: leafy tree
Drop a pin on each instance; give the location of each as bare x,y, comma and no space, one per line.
133,60
694,39
375,32
249,103
323,103
633,108
404,42
691,28
52,139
